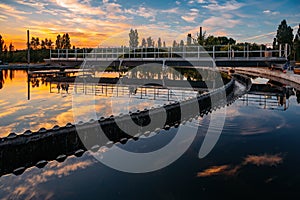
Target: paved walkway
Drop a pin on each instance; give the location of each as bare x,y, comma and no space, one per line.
288,76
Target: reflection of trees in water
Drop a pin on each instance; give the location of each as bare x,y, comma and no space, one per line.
298,96
4,74
11,74
36,82
1,79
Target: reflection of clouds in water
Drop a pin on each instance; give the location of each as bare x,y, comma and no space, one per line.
244,121
26,186
267,160
230,170
219,170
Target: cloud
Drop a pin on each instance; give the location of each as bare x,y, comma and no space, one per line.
224,21
32,3
144,12
269,12
170,11
177,2
228,6
266,160
76,7
25,186
8,10
228,170
191,16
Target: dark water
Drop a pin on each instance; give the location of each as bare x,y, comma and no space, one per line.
256,156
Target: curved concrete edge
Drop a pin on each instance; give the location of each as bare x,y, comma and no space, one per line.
38,148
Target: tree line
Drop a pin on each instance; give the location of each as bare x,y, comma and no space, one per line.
284,36
39,49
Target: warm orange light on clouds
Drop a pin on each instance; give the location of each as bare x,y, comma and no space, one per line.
91,22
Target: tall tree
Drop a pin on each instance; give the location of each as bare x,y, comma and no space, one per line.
58,42
175,43
1,44
297,45
35,43
11,49
181,43
49,44
274,43
133,38
66,41
164,44
43,44
201,38
159,43
150,42
284,33
144,43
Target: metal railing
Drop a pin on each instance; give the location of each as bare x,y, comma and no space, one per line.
182,52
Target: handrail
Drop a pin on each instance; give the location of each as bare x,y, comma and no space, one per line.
167,52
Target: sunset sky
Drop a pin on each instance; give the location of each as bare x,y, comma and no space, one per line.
93,23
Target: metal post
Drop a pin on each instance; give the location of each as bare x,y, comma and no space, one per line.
28,48
228,51
28,85
247,51
286,50
67,51
58,53
260,50
50,54
280,50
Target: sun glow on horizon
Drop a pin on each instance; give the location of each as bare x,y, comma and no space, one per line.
92,23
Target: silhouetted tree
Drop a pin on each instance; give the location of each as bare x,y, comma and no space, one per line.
181,43
1,45
43,44
159,43
201,38
144,43
133,38
297,45
63,42
150,42
58,42
35,43
284,33
66,41
11,49
164,44
274,43
175,43
49,44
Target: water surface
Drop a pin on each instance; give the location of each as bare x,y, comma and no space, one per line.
256,156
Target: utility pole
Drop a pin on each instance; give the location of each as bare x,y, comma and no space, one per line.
28,62
28,48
